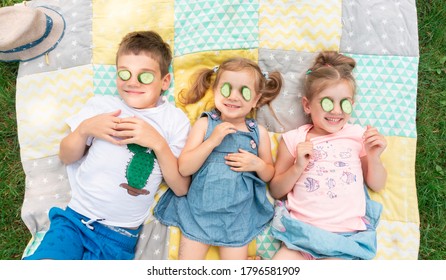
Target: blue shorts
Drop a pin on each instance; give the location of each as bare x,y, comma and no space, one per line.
72,236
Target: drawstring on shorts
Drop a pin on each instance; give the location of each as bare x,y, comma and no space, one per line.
89,222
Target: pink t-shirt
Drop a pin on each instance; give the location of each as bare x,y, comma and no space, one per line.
330,192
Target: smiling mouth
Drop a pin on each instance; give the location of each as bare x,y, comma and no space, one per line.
134,92
333,120
232,106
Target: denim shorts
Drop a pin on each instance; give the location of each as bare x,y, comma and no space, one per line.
72,236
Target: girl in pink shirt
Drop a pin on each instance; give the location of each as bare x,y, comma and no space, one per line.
321,169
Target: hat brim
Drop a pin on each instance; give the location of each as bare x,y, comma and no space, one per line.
48,44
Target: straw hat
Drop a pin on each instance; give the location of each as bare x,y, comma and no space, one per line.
27,33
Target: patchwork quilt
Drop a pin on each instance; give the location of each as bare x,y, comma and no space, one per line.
380,35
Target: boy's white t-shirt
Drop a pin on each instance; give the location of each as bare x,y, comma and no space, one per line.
95,178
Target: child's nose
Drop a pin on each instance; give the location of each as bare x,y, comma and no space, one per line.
133,81
337,109
234,94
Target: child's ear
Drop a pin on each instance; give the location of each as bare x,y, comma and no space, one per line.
166,82
256,101
306,105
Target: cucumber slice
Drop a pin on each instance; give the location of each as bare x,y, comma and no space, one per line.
246,93
146,78
226,89
124,75
327,104
346,106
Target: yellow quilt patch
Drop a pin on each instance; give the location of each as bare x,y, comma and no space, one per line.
43,102
112,19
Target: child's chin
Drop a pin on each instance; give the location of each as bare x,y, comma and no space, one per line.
133,101
334,129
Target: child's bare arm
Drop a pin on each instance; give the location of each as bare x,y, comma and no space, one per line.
169,166
74,145
288,168
196,151
375,175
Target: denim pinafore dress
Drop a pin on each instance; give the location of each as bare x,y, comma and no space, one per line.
223,207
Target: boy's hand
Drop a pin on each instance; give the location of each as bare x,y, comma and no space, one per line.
134,191
102,126
374,142
133,130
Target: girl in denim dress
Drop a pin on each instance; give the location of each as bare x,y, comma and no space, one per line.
229,158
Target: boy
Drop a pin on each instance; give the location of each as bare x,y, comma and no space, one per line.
119,147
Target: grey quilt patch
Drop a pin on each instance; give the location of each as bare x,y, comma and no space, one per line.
380,27
287,108
46,186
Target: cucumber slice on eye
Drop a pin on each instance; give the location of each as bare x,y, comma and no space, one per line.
226,89
346,106
124,75
327,104
146,78
246,93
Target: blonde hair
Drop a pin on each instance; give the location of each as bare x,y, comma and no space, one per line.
329,68
267,85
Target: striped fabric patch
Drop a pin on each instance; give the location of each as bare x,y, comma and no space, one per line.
310,25
43,102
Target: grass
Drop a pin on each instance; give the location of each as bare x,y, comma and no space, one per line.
431,127
13,233
430,164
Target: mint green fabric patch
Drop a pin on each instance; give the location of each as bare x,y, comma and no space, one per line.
104,81
32,246
386,93
266,245
215,25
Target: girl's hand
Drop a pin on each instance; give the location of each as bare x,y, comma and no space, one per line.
304,153
374,142
220,132
244,161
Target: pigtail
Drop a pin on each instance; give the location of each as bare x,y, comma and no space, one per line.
272,88
202,82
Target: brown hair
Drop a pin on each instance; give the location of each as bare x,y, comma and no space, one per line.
151,44
267,85
330,67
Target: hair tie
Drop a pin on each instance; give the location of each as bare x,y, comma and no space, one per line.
328,65
265,74
308,72
215,69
